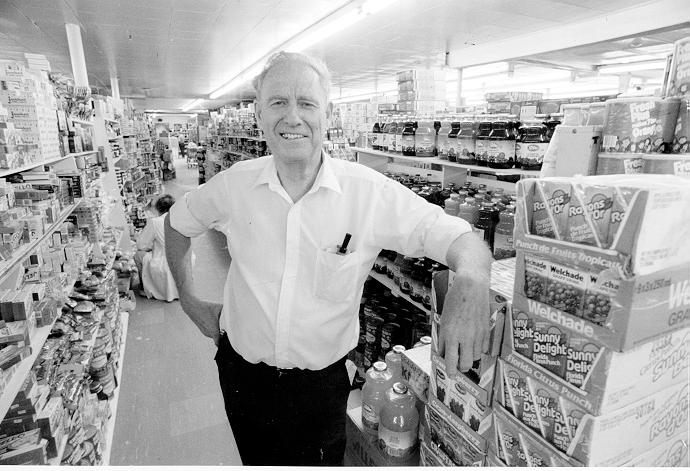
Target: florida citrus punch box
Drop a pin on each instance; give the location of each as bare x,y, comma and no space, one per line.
608,258
612,439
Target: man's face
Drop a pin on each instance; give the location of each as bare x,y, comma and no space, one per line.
292,112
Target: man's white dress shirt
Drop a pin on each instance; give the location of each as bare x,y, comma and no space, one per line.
289,300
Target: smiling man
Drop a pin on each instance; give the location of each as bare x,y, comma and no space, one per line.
290,305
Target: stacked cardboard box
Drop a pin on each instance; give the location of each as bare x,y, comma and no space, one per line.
594,365
509,102
27,94
421,91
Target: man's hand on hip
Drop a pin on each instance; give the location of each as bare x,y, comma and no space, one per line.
204,314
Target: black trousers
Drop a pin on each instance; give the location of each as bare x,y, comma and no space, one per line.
284,417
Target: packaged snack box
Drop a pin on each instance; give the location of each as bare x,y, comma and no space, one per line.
455,438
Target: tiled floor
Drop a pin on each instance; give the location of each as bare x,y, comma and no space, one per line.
170,410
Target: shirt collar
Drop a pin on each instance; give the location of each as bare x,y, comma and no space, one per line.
326,177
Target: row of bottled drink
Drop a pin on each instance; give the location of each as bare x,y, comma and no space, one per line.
491,213
496,141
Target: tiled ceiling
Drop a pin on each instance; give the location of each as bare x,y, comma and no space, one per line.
168,52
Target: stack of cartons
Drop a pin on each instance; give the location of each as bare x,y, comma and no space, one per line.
594,365
28,96
421,91
509,102
458,411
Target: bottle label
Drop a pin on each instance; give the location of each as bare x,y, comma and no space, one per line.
391,142
466,146
370,419
397,444
408,143
501,151
503,246
531,153
481,149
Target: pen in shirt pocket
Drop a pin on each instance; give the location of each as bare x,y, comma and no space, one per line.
342,248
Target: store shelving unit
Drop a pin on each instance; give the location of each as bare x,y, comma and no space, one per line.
395,290
9,171
110,428
451,172
26,249
250,138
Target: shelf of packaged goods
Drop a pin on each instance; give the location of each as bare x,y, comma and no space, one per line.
241,154
26,249
250,138
395,290
38,338
447,163
110,428
81,121
10,171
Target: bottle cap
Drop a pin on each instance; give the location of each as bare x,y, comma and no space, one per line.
400,388
398,348
380,366
426,340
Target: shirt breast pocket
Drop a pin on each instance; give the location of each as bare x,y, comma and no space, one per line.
336,276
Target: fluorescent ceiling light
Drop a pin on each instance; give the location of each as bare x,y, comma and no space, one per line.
633,58
322,29
192,104
632,67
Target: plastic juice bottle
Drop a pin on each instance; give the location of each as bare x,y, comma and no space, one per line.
425,139
486,223
469,211
452,204
482,142
443,142
501,152
399,426
408,139
462,195
376,136
394,362
531,146
424,340
467,142
503,238
378,381
392,129
453,146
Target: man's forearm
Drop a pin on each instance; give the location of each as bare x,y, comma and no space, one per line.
178,253
470,258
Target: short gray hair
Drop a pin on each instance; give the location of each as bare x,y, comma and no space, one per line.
283,57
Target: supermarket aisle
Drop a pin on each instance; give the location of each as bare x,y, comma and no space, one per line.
170,410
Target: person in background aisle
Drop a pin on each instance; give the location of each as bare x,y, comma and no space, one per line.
156,279
291,300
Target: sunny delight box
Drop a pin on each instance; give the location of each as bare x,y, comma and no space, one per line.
588,373
608,253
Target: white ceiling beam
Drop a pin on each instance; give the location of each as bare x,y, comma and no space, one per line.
647,17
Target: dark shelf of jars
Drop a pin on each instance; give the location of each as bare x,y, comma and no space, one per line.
447,163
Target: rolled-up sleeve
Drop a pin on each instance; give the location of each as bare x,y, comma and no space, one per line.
408,224
201,209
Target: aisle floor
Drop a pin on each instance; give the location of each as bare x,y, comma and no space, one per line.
170,410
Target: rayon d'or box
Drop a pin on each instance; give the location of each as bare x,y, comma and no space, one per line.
605,256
